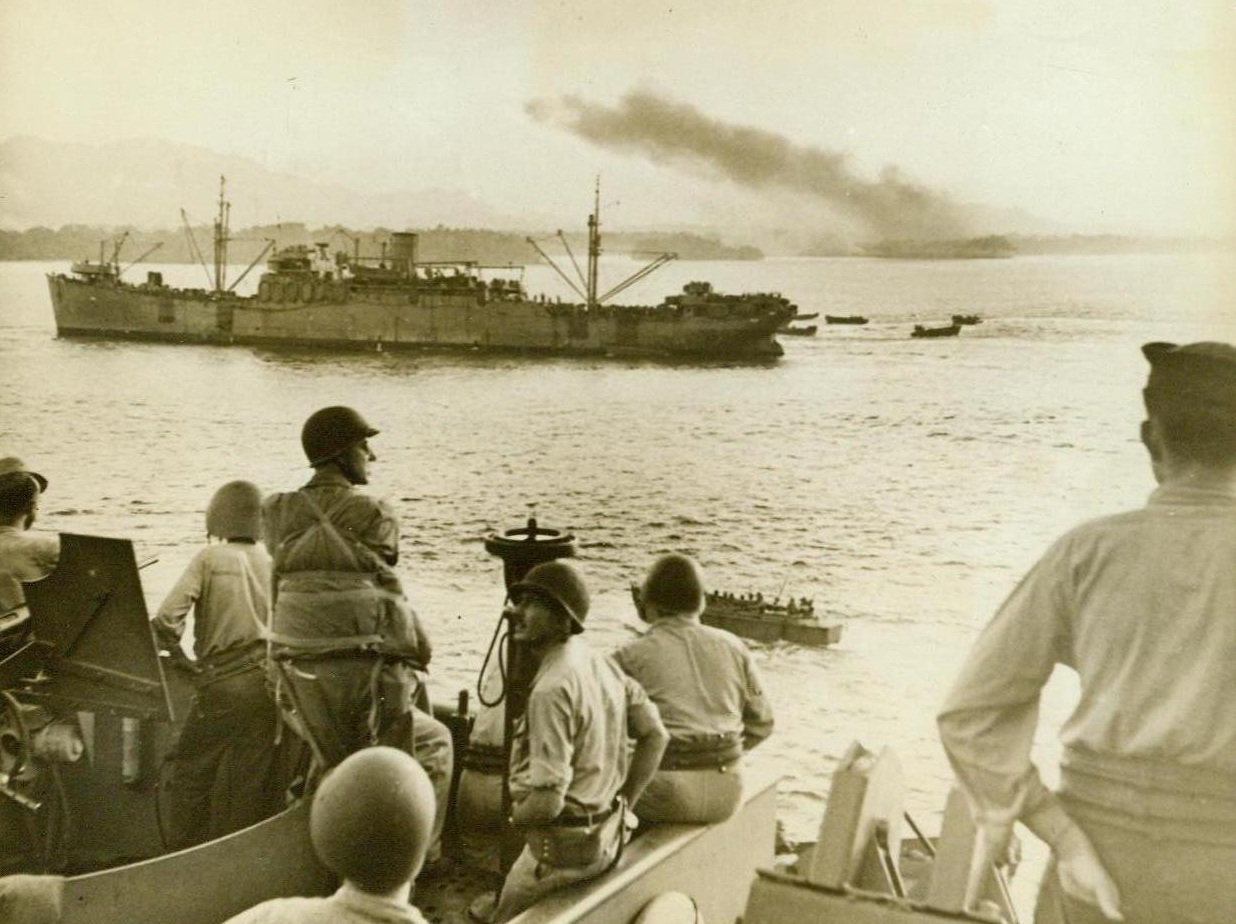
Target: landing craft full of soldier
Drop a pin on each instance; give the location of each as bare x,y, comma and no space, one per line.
1139,604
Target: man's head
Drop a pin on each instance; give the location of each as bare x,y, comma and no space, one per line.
551,603
674,586
339,436
19,492
235,512
371,819
1191,403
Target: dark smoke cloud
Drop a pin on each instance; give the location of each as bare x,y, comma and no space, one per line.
676,133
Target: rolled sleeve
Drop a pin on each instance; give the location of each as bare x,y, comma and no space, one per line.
551,744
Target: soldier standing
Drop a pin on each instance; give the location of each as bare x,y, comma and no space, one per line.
1142,605
351,651
223,777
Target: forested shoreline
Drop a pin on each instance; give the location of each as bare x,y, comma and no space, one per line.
502,248
80,242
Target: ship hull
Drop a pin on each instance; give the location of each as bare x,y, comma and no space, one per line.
333,314
712,864
766,629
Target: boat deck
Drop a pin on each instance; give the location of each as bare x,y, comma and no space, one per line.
713,864
444,893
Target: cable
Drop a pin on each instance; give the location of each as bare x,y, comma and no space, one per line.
501,643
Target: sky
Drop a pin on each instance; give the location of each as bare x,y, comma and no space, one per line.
887,115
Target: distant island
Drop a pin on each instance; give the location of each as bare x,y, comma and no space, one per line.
1009,245
503,248
1116,244
993,246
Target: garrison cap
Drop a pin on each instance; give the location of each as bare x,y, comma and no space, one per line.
13,468
1200,375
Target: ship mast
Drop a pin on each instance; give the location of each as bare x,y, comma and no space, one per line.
587,288
594,246
221,232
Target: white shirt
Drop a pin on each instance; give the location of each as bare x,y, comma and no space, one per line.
1143,606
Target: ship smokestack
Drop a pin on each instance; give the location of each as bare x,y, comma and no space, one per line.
403,250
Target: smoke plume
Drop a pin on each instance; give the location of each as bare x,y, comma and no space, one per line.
677,133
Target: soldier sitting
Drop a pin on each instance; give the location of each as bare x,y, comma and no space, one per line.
707,690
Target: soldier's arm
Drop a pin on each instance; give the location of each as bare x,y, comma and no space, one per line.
988,721
539,807
757,713
548,721
651,738
169,622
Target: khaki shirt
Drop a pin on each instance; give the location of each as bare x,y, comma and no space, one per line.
573,737
24,557
1143,606
349,905
702,680
229,584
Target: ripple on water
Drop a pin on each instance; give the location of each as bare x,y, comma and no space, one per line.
902,486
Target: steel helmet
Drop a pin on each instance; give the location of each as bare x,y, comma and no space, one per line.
371,818
332,431
235,512
674,584
560,582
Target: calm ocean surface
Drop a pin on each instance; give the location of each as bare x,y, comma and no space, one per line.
903,484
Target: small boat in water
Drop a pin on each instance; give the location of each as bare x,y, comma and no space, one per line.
844,319
966,319
951,330
792,331
752,617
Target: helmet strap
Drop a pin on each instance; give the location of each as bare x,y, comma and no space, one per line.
343,462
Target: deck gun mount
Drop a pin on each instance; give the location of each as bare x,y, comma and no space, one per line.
81,678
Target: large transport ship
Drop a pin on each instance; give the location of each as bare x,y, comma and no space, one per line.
306,298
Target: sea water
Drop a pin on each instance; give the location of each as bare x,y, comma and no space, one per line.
903,485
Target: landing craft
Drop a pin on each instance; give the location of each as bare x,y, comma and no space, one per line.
88,717
397,302
88,714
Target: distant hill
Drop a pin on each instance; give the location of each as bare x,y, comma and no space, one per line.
80,194
144,183
58,201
